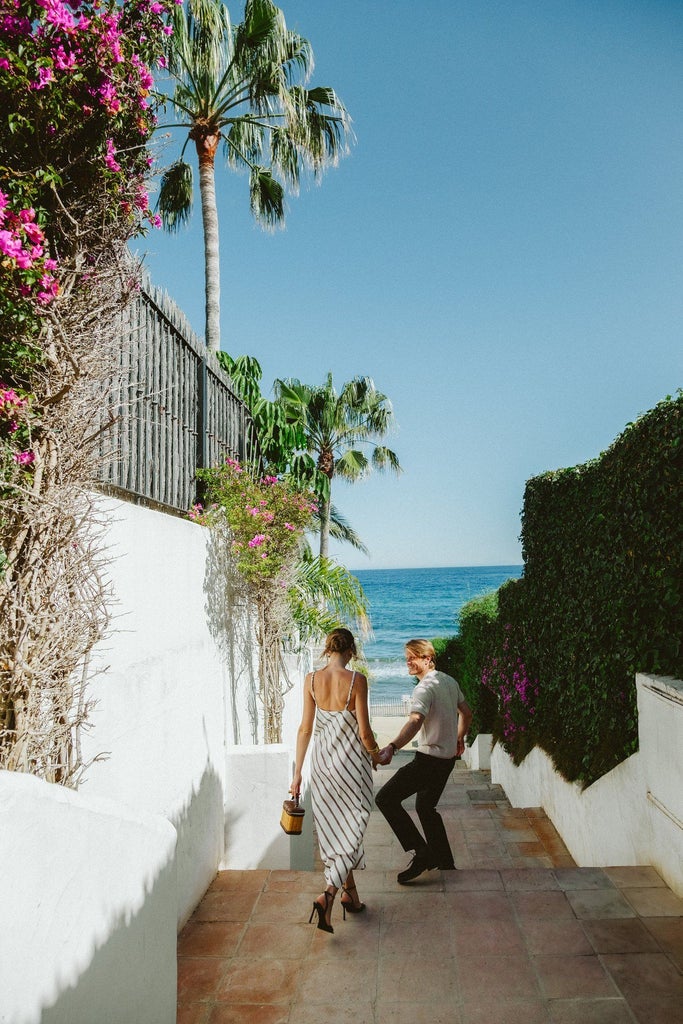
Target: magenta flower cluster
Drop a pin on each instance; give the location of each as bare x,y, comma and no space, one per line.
22,245
13,408
75,85
506,676
266,517
88,59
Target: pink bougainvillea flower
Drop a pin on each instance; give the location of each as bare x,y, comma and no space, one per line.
57,14
10,244
49,289
25,458
34,234
45,76
63,61
109,156
141,199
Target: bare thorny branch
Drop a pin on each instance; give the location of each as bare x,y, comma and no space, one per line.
54,591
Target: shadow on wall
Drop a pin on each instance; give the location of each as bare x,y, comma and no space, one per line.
254,840
98,942
231,625
105,990
92,907
199,848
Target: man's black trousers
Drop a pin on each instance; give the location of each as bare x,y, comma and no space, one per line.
426,776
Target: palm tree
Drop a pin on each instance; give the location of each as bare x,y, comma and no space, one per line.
337,427
244,85
281,441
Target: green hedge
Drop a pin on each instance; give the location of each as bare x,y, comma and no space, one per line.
461,657
601,595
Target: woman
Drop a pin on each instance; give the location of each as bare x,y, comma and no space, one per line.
344,752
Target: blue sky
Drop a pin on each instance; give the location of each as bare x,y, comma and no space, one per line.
502,251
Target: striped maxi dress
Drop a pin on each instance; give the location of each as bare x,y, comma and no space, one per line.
341,790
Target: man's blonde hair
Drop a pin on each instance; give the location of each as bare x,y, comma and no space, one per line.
422,649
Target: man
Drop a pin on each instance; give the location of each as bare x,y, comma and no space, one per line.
439,709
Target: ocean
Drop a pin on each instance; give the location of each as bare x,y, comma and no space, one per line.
409,603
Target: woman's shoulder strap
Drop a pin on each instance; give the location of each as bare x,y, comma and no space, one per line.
348,698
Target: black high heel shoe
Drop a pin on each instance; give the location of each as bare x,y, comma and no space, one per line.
321,912
349,904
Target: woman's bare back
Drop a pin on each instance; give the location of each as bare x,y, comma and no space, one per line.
331,688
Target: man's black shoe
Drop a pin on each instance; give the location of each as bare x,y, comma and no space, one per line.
420,862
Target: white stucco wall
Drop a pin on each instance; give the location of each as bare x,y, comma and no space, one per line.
96,883
660,728
253,836
477,754
632,815
88,909
179,692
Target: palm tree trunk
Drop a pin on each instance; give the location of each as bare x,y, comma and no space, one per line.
325,527
206,151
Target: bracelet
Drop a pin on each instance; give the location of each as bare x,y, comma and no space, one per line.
375,751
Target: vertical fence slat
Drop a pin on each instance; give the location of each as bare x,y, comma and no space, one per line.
173,409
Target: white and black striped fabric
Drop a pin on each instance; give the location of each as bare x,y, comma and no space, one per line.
341,791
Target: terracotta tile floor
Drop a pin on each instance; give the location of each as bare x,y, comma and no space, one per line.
518,935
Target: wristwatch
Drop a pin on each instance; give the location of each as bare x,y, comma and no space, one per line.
393,747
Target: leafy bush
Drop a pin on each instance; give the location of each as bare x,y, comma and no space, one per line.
76,113
266,516
462,657
601,597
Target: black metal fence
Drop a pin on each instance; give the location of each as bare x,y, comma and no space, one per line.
171,411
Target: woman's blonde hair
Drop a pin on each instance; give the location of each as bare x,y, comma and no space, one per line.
422,649
339,641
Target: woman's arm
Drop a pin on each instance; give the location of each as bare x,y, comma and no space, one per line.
367,736
303,736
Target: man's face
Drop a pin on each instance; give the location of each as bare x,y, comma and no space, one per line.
417,663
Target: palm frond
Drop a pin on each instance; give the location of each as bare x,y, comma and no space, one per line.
384,458
245,373
325,595
299,61
244,142
285,156
267,197
352,465
210,33
341,530
175,195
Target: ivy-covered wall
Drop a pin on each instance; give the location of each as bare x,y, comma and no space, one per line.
601,598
